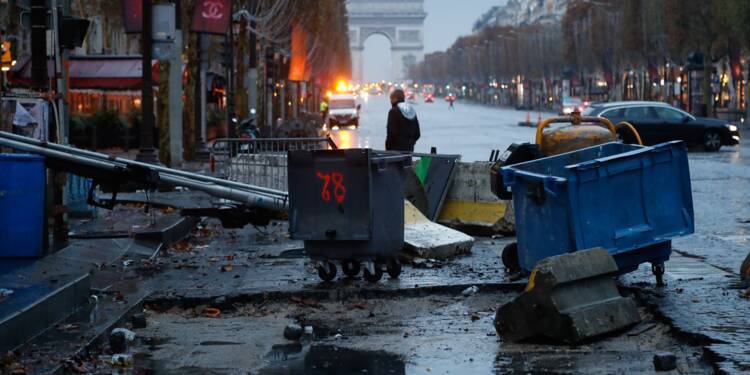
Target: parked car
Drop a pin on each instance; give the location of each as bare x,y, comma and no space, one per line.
660,122
571,104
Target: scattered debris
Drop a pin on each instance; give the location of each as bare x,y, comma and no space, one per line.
121,360
119,339
665,361
470,291
418,262
9,364
211,312
305,301
5,293
181,247
220,300
75,367
293,332
745,269
68,327
641,330
139,320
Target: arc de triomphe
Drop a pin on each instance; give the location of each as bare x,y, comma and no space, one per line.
401,21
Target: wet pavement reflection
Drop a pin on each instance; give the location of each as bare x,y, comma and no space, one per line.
471,130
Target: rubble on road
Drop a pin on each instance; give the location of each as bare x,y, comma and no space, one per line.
119,339
665,362
293,332
569,298
431,240
745,269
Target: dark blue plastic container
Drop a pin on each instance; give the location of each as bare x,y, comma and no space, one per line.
631,200
22,182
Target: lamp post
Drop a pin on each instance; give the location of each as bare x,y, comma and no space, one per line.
147,152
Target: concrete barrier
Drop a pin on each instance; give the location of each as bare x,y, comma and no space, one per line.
470,204
431,240
569,298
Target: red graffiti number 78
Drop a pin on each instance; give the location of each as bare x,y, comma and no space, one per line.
339,190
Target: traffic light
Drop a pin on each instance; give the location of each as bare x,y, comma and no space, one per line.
6,59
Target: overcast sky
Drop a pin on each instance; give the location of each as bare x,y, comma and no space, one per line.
446,20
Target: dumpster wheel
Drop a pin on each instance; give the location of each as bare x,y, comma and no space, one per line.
350,268
510,258
370,276
327,271
658,270
393,267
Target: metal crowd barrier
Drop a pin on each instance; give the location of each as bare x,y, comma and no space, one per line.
262,161
76,196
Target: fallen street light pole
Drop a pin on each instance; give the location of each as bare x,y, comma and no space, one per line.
113,171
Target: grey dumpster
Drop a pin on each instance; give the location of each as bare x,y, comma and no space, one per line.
348,206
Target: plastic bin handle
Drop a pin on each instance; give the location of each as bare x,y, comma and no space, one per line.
382,162
538,185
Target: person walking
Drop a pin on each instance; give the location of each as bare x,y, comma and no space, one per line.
451,99
324,109
403,125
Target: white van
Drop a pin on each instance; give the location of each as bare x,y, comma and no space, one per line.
343,111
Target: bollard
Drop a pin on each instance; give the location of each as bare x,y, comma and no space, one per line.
569,298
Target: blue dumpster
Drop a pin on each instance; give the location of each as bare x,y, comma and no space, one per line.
629,199
21,205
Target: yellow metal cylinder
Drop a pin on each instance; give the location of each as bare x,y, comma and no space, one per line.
579,134
570,138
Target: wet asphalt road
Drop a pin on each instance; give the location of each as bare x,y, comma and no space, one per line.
426,326
701,299
470,130
720,180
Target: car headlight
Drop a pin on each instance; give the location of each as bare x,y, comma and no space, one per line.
732,128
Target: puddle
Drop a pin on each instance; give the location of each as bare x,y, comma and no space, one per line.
325,359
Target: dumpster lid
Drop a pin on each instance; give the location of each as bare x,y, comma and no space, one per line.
21,157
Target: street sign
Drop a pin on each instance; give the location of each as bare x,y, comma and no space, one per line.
133,15
163,21
212,16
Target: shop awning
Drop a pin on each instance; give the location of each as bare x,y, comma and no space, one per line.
92,72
